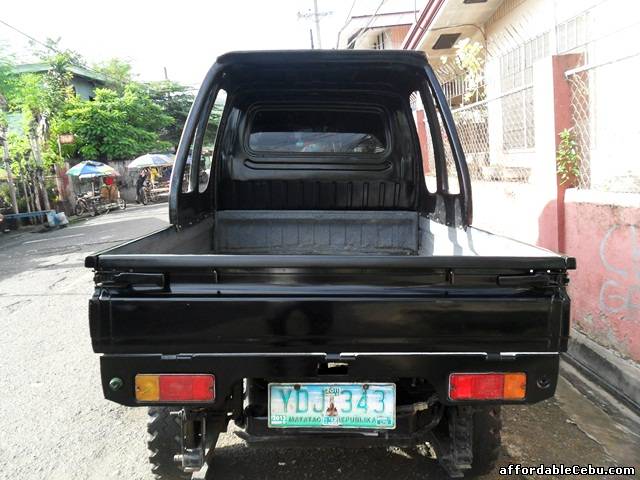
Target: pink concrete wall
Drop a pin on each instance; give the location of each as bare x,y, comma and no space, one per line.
603,233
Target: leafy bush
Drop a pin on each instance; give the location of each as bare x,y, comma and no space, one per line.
567,159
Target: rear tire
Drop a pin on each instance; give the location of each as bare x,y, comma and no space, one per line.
81,208
486,440
163,443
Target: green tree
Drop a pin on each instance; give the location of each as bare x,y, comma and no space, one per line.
23,168
7,92
116,126
31,100
175,101
470,60
41,99
118,73
173,98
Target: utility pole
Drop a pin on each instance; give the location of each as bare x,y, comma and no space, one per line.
317,20
316,15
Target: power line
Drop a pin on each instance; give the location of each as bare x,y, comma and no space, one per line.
363,30
33,39
75,63
346,22
59,52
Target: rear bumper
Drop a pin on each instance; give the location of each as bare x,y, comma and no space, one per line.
406,434
231,368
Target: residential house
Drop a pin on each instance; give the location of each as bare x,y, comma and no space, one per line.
83,81
547,66
383,28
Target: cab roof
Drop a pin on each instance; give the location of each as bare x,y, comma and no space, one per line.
305,57
388,70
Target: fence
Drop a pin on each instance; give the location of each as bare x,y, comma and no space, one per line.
498,138
498,134
604,111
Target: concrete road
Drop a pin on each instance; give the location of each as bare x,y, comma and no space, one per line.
54,423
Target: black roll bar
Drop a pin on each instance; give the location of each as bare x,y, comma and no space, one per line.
182,209
462,169
184,206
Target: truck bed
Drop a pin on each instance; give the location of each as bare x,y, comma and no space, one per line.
421,286
310,238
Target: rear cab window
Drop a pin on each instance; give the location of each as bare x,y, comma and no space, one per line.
304,131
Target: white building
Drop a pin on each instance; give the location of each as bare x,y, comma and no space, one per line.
518,39
544,66
379,27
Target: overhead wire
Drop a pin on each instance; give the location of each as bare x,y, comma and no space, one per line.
364,29
346,22
60,52
75,63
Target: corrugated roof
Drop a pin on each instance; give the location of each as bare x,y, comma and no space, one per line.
381,20
76,70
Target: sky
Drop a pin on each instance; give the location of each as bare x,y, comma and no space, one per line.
185,36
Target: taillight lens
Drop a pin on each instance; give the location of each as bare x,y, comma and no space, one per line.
175,388
487,386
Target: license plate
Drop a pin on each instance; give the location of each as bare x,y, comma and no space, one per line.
332,405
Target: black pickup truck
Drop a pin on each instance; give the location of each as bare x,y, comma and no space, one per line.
319,285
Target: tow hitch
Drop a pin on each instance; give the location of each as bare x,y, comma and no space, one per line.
194,434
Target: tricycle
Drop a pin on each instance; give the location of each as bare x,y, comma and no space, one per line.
99,198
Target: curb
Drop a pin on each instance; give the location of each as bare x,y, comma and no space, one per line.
593,389
617,376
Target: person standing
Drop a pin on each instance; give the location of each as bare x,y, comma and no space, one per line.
140,181
153,175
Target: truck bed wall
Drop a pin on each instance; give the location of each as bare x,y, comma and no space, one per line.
316,232
295,232
308,232
195,239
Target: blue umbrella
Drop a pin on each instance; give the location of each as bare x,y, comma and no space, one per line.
91,169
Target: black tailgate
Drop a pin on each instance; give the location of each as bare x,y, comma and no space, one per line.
250,303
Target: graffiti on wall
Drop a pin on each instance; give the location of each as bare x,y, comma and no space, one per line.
620,256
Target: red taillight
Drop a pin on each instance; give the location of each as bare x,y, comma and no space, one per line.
175,388
487,386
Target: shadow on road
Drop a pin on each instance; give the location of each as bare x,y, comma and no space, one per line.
33,249
241,462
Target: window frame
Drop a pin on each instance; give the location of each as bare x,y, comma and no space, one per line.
315,157
516,79
379,41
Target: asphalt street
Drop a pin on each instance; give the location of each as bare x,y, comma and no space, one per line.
55,424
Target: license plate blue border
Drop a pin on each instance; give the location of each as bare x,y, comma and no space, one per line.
339,427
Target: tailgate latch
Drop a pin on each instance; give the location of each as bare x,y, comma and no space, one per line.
139,282
534,280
